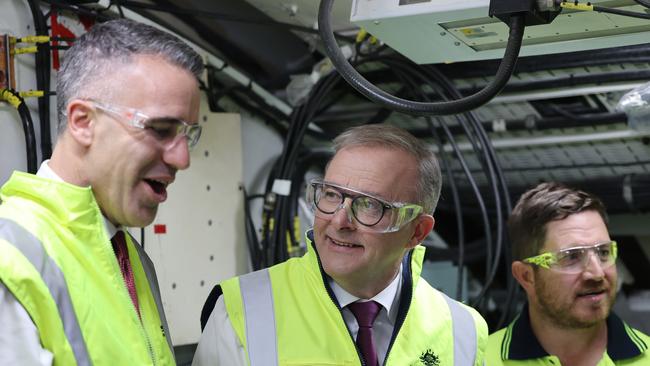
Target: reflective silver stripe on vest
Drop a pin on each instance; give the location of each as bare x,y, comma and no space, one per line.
257,296
464,333
51,274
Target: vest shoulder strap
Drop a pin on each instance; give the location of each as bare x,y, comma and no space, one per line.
52,276
465,338
257,298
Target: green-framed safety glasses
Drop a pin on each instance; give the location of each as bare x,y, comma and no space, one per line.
576,259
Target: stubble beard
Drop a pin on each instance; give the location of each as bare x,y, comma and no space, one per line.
555,309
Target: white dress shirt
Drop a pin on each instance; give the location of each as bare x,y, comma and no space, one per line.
219,344
19,339
382,328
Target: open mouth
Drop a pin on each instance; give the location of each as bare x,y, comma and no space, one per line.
158,187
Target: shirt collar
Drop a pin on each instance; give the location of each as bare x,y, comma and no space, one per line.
388,297
622,341
46,172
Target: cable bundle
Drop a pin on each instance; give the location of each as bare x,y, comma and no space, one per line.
14,98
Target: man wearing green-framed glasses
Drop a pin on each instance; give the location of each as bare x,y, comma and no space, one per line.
565,260
356,297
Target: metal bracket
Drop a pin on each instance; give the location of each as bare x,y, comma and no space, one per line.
7,73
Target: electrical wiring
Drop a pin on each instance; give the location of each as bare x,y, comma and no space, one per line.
35,49
43,75
251,235
245,99
468,174
590,7
377,95
14,98
573,80
447,168
78,9
645,3
494,174
299,124
511,284
457,207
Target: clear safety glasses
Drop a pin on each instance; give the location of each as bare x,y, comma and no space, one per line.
373,213
165,130
576,259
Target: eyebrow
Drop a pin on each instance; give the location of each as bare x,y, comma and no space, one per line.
170,119
357,191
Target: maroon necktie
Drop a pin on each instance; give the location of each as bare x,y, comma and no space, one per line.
366,313
122,254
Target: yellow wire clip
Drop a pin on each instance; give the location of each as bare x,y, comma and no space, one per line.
576,6
10,97
34,39
361,35
32,94
18,51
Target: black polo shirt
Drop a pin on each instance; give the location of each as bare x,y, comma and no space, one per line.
623,342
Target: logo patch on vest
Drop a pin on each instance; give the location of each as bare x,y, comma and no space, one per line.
429,358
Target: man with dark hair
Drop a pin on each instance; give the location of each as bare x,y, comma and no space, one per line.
356,297
75,287
565,260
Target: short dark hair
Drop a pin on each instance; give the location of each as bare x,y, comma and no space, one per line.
94,56
540,205
429,183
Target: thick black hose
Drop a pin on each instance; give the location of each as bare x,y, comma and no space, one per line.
251,236
486,221
457,208
625,13
377,95
498,179
454,189
645,3
275,239
42,65
30,137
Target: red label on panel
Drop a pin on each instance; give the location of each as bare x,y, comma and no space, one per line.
160,229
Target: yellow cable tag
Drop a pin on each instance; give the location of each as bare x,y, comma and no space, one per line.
361,35
576,6
18,51
35,39
10,98
31,94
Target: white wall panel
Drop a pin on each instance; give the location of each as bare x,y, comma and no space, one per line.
204,241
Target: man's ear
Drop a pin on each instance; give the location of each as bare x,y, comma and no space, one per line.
80,124
523,273
423,227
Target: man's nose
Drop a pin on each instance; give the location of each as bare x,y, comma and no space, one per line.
593,267
342,217
177,154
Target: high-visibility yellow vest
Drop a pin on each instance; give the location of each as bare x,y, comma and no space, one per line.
57,261
288,315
